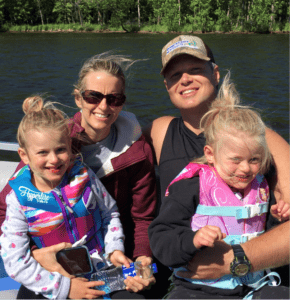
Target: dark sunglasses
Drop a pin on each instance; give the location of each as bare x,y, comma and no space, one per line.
94,97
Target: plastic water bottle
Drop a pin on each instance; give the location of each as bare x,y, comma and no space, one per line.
114,278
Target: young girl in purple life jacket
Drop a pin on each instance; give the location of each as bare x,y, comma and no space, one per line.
56,198
221,196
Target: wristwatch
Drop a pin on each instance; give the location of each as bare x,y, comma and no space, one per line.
240,266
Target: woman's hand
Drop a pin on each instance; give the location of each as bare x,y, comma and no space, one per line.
137,284
81,288
46,257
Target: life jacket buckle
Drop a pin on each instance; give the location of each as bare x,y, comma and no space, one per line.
248,236
254,210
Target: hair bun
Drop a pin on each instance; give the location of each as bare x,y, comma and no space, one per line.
32,104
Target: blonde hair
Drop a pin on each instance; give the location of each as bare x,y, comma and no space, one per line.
39,116
107,62
227,117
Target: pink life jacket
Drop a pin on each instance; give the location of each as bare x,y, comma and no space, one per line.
239,219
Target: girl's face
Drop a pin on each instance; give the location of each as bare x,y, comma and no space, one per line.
48,154
97,119
238,160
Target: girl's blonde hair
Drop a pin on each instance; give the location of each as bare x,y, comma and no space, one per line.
39,116
227,118
111,63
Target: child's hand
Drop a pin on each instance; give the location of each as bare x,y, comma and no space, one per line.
137,284
281,211
81,288
207,235
118,258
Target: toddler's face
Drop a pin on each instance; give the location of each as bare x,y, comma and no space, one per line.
48,154
238,161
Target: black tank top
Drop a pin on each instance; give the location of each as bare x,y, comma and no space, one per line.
180,146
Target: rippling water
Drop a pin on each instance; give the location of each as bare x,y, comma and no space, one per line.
49,63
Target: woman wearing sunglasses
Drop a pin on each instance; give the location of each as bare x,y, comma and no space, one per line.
111,143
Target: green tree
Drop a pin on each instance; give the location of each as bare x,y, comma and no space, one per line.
40,10
63,10
171,14
2,14
21,11
156,14
279,14
260,15
123,13
201,15
222,20
92,12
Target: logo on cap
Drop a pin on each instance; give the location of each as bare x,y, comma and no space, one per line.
180,44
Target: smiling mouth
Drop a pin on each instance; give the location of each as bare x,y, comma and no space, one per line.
101,115
189,91
55,170
243,178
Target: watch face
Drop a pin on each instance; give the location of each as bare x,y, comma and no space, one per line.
241,269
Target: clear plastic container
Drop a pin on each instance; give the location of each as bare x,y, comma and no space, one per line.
144,272
114,278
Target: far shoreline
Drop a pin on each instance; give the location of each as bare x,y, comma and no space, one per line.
141,32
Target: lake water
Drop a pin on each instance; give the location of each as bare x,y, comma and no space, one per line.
49,63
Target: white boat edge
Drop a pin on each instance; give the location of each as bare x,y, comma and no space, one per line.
9,146
9,294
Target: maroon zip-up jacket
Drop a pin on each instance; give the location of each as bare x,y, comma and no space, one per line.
132,184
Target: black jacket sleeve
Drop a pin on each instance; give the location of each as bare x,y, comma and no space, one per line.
170,234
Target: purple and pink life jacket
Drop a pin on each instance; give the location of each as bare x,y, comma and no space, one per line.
239,218
63,214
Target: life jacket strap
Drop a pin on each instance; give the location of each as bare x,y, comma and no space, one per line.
234,239
262,282
239,212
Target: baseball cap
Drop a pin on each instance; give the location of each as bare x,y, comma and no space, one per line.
185,44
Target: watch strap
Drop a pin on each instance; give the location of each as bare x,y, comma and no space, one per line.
240,259
239,251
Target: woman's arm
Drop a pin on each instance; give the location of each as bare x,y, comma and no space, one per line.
46,257
142,185
279,149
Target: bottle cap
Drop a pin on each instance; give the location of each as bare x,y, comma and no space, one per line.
154,268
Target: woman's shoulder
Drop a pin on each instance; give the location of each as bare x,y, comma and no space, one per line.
155,133
161,123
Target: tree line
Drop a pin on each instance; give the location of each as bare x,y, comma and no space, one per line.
174,15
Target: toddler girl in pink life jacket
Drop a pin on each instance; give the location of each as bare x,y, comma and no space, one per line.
222,195
56,198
